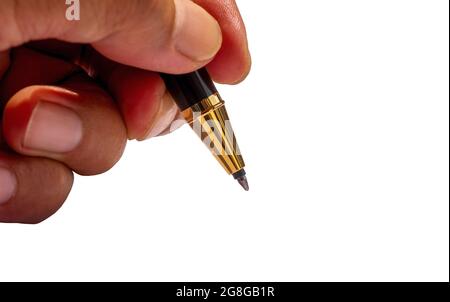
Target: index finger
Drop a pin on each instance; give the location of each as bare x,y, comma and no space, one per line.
233,61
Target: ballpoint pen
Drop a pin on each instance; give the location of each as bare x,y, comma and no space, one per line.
204,110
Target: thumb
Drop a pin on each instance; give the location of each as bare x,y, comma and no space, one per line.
173,36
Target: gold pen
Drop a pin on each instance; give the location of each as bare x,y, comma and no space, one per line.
204,110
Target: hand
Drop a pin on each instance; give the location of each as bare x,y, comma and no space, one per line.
70,103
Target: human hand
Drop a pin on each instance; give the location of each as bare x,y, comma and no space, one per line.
69,104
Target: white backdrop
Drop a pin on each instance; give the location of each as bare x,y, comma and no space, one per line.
343,123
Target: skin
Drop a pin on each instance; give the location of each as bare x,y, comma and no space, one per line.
89,67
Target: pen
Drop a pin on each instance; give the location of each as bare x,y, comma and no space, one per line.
204,110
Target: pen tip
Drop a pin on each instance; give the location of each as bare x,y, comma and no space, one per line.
243,182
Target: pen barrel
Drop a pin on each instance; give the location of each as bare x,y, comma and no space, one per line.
209,120
204,110
190,88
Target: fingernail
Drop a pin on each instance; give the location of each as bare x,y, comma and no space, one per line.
8,184
53,128
197,34
167,112
177,123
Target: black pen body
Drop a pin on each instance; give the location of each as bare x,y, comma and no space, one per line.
190,88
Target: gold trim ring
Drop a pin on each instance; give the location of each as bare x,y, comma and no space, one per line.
203,107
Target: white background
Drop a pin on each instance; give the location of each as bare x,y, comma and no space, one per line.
343,123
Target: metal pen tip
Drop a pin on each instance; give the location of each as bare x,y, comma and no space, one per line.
243,182
241,179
